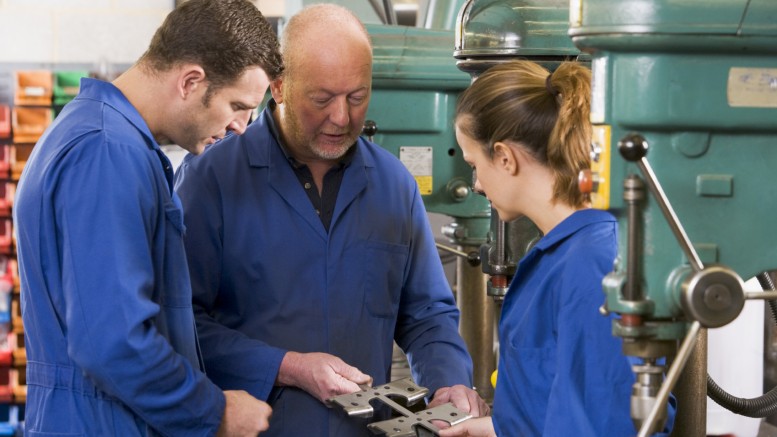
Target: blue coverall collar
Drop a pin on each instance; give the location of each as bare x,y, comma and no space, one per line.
570,225
109,94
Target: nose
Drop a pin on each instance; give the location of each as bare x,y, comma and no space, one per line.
476,188
340,112
239,124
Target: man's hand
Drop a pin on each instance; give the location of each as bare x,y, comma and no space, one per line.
480,427
463,398
244,415
322,375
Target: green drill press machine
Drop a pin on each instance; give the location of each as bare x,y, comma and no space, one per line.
685,108
685,114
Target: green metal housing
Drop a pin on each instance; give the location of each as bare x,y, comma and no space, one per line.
700,84
416,82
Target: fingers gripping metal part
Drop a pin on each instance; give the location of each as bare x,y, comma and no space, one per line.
409,424
419,424
358,404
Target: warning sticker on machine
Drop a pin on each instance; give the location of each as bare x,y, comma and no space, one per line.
752,87
419,161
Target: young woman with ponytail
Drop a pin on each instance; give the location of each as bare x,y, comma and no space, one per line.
526,133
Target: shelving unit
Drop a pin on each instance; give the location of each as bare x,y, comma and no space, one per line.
29,104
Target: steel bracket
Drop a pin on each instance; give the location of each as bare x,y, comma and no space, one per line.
408,423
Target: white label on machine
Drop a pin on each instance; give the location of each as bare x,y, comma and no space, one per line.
575,13
752,87
419,161
598,89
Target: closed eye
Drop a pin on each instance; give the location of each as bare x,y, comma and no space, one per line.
237,107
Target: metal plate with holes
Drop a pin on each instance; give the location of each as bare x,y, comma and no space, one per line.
408,424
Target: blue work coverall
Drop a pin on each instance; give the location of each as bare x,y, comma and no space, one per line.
106,299
561,371
268,278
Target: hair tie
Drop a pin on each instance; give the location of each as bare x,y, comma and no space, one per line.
549,87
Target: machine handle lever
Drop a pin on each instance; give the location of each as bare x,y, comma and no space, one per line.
634,147
473,258
763,295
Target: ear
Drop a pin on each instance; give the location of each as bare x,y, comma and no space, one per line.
506,158
191,78
276,89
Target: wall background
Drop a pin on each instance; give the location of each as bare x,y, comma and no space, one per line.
95,32
78,31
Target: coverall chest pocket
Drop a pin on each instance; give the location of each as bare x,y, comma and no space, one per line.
537,364
386,266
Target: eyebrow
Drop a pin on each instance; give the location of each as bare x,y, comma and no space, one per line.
332,93
243,105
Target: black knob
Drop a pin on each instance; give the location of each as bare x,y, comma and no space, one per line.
633,147
473,259
370,128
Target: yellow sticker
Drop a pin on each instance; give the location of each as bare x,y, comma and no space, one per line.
424,184
420,163
600,166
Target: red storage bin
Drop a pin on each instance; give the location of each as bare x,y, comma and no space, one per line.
5,121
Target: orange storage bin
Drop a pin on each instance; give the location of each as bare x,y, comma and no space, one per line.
5,121
18,383
6,236
19,357
34,88
30,123
19,155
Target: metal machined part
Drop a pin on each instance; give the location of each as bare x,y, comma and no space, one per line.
409,424
358,403
419,424
644,391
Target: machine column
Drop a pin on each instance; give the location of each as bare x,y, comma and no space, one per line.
478,313
691,392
